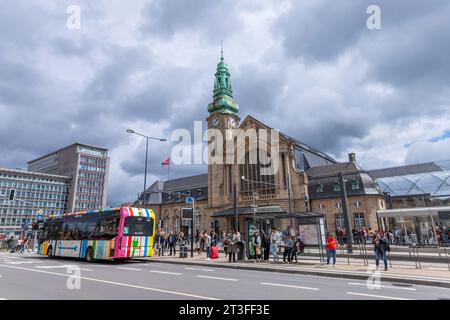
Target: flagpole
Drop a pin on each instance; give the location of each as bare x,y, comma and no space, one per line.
168,172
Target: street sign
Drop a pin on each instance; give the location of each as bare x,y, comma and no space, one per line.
189,200
186,213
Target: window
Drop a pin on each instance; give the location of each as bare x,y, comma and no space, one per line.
321,206
339,221
355,184
357,204
338,205
319,188
359,220
336,187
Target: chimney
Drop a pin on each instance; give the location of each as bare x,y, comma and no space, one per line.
352,157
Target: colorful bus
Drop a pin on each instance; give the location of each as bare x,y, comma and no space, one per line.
105,234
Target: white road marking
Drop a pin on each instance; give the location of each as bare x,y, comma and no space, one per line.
287,286
125,268
3,299
115,283
166,272
199,269
63,266
217,278
382,286
376,296
23,262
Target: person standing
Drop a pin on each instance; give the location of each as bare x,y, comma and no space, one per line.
25,245
266,246
332,245
275,239
232,247
208,242
226,243
380,249
257,244
289,243
172,242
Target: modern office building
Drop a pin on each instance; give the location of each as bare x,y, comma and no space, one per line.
88,166
33,192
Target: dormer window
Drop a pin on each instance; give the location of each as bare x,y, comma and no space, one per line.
199,192
336,187
319,188
355,184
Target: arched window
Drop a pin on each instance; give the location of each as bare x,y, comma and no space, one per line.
355,184
338,205
319,188
357,204
263,184
336,187
321,206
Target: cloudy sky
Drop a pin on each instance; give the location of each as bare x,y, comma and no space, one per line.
310,68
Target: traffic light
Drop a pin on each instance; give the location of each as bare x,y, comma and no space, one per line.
12,194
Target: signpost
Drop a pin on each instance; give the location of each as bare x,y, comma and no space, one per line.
191,200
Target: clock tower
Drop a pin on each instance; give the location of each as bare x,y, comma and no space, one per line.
223,117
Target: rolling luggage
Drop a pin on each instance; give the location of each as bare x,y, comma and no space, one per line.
214,252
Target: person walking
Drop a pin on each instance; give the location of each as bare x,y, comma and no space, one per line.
275,239
381,247
332,245
257,244
289,244
25,245
297,248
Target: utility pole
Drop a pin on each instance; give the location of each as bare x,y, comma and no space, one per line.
346,213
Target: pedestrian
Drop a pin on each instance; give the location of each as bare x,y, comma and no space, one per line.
275,239
226,243
208,243
161,243
266,246
381,248
289,243
332,245
297,248
25,245
172,243
19,246
232,247
257,244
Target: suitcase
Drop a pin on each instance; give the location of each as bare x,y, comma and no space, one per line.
214,252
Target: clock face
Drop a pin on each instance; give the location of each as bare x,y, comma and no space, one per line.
216,122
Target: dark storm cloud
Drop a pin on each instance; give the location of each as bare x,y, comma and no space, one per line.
215,19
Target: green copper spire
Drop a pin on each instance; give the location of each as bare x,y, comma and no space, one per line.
222,93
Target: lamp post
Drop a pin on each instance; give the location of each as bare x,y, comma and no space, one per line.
146,157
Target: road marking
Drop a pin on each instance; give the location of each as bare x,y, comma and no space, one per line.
115,283
217,278
199,269
166,272
376,296
126,268
64,266
382,286
3,299
287,286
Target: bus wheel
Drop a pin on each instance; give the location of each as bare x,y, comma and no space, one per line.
89,254
50,252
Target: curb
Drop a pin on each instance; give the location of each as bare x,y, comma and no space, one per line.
337,274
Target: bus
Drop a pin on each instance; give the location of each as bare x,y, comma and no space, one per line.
105,234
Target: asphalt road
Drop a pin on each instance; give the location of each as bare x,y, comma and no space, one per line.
36,277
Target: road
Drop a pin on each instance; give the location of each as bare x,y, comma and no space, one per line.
36,277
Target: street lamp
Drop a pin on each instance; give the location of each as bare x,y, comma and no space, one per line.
131,131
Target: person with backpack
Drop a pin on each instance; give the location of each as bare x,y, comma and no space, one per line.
381,249
332,245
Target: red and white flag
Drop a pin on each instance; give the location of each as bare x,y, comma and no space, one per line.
166,162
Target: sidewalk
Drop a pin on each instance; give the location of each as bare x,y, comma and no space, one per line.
428,275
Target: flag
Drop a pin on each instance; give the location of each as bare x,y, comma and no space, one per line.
166,162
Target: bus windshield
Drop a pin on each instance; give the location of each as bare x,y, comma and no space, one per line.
138,226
